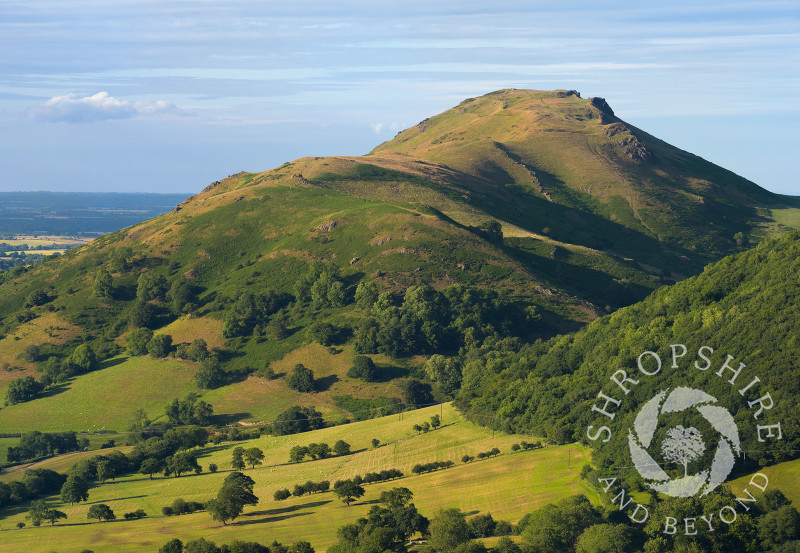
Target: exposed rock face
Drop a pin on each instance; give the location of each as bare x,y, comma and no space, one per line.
606,113
628,142
212,186
328,226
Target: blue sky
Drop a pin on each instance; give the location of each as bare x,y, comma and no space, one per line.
169,95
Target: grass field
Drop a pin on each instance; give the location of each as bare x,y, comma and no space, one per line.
784,476
508,486
104,399
789,217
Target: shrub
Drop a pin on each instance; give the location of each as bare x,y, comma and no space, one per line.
363,368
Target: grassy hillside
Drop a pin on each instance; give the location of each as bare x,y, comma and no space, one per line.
508,486
541,207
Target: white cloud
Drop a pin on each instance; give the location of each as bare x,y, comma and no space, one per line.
99,107
377,127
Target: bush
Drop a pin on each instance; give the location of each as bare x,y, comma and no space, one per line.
301,379
213,467
363,368
282,494
159,346
167,511
137,514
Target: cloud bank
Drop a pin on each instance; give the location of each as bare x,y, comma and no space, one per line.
99,107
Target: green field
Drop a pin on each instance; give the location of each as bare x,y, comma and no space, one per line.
508,486
104,399
784,476
788,217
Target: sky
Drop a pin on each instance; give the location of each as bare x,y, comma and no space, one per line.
170,95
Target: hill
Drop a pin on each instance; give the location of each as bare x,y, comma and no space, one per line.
742,308
478,227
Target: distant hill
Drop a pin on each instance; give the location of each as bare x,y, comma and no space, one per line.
515,216
79,213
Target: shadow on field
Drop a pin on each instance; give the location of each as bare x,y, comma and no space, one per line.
54,389
324,383
387,373
228,418
274,515
115,499
111,363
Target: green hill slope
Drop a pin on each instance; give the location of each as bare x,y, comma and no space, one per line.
522,214
743,306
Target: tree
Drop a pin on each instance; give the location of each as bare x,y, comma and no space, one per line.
375,442
40,512
83,357
324,333
238,458
682,446
416,392
297,453
341,448
150,466
137,341
22,389
159,346
172,546
210,374
198,350
39,297
181,462
235,493
436,422
105,470
555,527
319,451
301,379
151,286
253,456
363,368
282,494
348,491
605,538
74,490
449,529
101,511
103,284
298,419
366,294
142,315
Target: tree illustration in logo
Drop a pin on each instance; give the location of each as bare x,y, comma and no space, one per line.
682,446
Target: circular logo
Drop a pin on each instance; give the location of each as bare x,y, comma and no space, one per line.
683,445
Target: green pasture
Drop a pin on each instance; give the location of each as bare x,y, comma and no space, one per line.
508,486
104,399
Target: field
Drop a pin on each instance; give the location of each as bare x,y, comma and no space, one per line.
784,476
104,399
508,486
